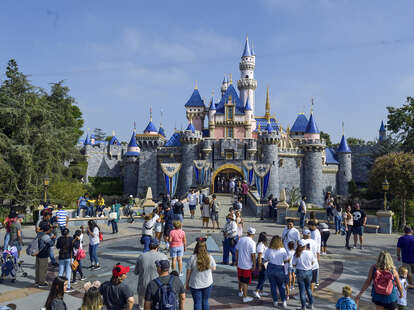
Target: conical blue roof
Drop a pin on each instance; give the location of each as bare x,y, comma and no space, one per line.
224,80
191,127
248,107
87,140
231,91
212,104
269,127
300,124
247,52
133,149
114,141
382,128
195,100
161,131
133,141
174,141
343,146
150,128
311,126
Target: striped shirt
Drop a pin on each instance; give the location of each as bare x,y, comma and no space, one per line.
61,216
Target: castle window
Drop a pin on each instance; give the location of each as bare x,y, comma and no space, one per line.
229,113
230,132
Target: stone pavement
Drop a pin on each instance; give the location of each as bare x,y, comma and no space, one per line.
340,267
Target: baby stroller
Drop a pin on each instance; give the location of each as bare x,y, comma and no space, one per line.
11,265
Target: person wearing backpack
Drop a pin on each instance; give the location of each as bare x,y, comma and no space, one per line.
116,294
42,254
165,292
65,245
78,252
385,282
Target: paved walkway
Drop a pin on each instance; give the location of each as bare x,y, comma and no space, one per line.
340,267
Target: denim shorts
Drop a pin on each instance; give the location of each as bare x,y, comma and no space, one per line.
177,251
357,230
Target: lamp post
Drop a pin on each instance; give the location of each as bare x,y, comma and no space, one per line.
385,188
46,184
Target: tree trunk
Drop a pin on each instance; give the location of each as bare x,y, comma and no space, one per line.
403,215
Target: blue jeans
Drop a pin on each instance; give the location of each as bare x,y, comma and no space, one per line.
302,219
65,267
277,279
304,279
114,226
227,249
6,240
88,210
262,279
200,297
92,254
147,240
338,221
52,255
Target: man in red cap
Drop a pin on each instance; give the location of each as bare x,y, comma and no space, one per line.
115,293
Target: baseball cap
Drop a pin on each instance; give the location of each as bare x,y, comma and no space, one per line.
251,231
20,216
163,264
407,229
154,242
302,242
119,270
306,232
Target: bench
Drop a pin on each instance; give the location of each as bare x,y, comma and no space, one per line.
370,226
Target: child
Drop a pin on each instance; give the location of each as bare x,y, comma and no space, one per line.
402,300
346,302
290,271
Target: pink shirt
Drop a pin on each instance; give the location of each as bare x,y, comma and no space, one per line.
245,188
177,238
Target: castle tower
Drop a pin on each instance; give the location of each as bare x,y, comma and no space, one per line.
247,84
224,86
211,117
344,175
382,132
248,114
312,163
196,109
130,166
190,151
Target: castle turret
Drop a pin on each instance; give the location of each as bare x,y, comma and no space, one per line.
92,139
130,166
247,84
151,129
312,131
382,132
211,117
248,114
196,109
344,175
87,140
224,86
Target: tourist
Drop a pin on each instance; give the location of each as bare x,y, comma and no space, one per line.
116,294
360,220
290,270
192,202
325,233
246,262
261,247
270,205
314,247
348,222
329,200
214,211
93,233
274,207
303,261
57,291
230,240
114,216
178,209
405,252
77,248
199,278
245,190
92,299
159,223
290,233
205,211
65,245
316,236
402,299
337,213
46,217
147,229
239,222
153,291
232,185
62,217
100,206
312,217
383,272
346,302
178,244
238,204
83,205
16,237
302,212
8,221
128,209
146,270
45,242
277,256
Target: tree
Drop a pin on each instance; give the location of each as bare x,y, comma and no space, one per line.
100,135
398,169
38,134
355,141
401,123
327,138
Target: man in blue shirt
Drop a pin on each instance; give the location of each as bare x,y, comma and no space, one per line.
83,204
405,252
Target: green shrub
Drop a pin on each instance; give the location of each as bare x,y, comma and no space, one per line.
65,192
105,186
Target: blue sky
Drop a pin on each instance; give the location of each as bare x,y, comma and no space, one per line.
121,57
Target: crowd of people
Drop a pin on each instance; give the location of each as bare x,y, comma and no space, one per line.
288,261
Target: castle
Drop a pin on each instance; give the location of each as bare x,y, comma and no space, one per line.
297,156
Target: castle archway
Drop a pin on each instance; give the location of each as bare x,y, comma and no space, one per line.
222,175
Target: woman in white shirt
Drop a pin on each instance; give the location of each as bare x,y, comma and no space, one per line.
277,256
93,233
261,248
199,278
147,230
303,261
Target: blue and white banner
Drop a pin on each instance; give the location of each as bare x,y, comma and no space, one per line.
262,174
201,168
171,172
248,169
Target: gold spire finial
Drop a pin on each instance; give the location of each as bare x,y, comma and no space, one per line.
267,114
312,103
230,79
196,85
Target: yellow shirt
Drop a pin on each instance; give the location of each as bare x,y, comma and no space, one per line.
101,202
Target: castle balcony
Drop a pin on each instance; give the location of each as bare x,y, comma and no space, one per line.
247,83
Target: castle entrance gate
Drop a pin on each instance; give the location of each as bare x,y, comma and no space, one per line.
223,175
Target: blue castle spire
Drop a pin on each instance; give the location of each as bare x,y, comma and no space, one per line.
269,127
246,51
190,127
382,127
311,127
343,146
133,149
87,140
161,131
212,104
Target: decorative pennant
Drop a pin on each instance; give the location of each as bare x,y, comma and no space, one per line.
171,173
261,169
262,173
248,166
199,169
170,169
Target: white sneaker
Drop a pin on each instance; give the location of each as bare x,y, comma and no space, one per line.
284,305
240,294
256,294
247,299
181,274
275,304
264,294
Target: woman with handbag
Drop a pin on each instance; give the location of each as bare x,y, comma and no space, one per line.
78,253
64,244
114,216
94,240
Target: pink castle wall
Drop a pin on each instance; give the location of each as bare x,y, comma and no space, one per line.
198,124
239,132
219,132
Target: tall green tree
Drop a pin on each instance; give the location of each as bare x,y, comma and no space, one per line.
401,123
398,168
38,134
327,138
100,135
